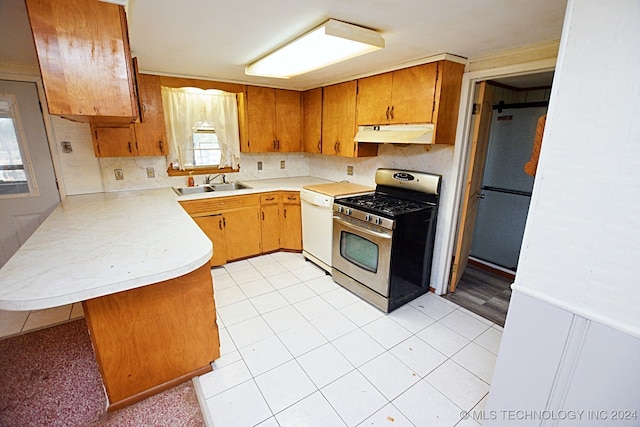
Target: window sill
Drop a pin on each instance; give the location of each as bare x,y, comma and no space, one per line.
202,170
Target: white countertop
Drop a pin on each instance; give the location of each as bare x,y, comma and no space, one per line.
98,244
261,186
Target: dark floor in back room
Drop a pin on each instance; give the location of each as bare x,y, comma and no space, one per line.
485,293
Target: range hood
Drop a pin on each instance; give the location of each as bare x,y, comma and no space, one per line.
396,134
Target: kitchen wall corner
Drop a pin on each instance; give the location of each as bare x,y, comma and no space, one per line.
80,167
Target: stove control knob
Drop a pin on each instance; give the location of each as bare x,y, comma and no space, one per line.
378,221
340,209
347,211
367,217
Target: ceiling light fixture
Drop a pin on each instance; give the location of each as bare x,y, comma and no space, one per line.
330,43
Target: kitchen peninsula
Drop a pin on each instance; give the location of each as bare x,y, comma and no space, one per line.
139,264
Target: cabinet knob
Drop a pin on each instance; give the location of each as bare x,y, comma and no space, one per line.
220,224
387,112
319,146
129,146
285,213
391,112
161,145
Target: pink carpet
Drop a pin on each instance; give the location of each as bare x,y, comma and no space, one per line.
50,378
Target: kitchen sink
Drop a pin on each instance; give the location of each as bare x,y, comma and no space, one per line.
227,186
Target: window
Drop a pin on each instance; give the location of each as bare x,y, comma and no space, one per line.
206,146
15,168
202,130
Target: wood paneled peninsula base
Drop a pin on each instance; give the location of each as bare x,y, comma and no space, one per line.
152,338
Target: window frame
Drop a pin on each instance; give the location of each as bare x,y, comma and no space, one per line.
14,114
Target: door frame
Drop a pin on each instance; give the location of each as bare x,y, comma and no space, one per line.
464,133
48,125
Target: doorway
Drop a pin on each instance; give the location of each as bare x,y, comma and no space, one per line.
498,191
28,186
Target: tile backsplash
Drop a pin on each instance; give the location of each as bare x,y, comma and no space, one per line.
84,173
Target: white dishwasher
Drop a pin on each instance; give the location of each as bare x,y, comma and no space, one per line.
317,219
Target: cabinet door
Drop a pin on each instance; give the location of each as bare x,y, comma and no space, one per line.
339,119
261,110
270,222
114,141
150,132
242,233
374,99
413,94
213,227
84,57
312,120
288,120
291,222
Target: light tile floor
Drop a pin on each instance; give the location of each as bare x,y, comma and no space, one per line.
17,322
298,349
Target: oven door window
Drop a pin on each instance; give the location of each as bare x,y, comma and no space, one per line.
359,251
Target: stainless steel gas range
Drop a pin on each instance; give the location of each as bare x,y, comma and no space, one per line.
383,241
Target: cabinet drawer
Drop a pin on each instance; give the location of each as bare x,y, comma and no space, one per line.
219,204
269,199
292,197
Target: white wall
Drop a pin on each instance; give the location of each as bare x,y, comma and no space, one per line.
582,241
572,335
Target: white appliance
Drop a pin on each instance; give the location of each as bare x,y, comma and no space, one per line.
317,227
317,219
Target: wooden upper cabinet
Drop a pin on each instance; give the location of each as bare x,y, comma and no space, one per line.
428,93
401,96
274,120
312,120
447,101
151,133
85,59
114,141
339,122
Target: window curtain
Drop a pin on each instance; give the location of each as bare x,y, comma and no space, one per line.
187,108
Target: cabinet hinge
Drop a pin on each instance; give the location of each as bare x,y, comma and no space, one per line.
454,268
476,109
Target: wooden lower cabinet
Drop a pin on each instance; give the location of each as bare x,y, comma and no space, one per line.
149,339
248,225
242,233
213,227
291,222
270,208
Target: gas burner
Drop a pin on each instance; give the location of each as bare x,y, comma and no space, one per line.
382,203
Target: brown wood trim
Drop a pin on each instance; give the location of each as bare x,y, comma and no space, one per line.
486,267
158,389
199,171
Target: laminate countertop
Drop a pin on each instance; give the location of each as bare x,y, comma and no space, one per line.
99,244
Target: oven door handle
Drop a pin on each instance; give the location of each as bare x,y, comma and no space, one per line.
360,229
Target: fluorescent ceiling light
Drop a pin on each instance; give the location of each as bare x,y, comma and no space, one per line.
330,43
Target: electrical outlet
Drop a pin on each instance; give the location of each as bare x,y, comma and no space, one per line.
119,174
349,170
259,166
281,164
151,173
66,147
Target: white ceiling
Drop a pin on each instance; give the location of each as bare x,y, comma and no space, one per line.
216,39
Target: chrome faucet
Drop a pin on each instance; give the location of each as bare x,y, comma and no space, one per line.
209,179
